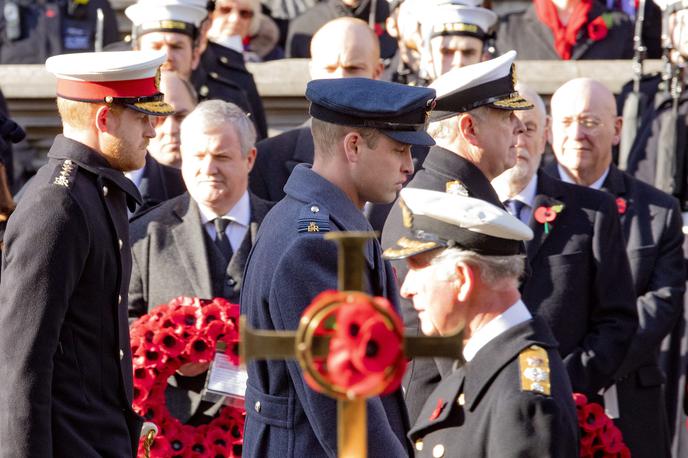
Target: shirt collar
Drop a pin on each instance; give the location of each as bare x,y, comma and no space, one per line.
566,178
240,213
514,315
527,194
136,176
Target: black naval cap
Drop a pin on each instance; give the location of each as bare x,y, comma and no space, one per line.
436,219
398,111
489,83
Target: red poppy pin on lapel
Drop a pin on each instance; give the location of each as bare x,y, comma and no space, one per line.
545,215
621,205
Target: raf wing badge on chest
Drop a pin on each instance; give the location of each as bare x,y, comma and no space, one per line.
313,218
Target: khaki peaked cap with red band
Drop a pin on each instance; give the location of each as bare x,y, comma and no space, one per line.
128,78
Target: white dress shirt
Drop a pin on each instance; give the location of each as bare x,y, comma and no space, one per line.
566,178
514,315
526,196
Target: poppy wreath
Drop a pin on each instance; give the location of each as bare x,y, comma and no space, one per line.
599,436
184,331
365,356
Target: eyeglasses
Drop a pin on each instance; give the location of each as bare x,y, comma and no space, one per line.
243,14
585,122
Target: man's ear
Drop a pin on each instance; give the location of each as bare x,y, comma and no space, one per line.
195,57
618,122
251,158
104,119
465,277
352,143
468,128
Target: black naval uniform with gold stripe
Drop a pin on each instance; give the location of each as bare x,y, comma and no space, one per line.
513,399
442,170
64,346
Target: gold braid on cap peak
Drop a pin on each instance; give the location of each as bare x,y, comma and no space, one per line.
407,247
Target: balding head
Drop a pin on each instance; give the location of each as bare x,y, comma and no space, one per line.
345,47
585,127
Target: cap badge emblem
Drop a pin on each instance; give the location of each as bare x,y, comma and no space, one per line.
456,187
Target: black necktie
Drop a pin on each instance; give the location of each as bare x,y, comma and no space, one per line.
221,239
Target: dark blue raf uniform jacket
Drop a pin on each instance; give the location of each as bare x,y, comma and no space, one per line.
483,409
64,346
287,268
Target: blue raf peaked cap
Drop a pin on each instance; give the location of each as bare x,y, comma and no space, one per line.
400,112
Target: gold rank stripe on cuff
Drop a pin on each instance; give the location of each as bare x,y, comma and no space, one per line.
533,365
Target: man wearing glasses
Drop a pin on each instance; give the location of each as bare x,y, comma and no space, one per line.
577,261
584,129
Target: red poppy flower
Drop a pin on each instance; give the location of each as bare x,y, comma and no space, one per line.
199,350
594,417
378,347
169,342
545,215
185,316
597,29
621,205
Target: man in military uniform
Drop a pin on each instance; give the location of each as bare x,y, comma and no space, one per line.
576,263
584,129
158,181
454,35
175,27
476,134
33,31
566,30
64,347
342,48
512,397
363,131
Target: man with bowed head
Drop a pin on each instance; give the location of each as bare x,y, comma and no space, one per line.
363,131
64,346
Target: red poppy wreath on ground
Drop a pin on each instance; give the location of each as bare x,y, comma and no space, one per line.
599,436
184,331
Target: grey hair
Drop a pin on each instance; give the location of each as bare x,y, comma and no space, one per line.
447,129
218,113
492,268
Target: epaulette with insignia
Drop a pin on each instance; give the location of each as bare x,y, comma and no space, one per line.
313,219
533,365
456,187
64,176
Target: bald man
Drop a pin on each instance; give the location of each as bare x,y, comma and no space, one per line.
584,130
576,265
342,48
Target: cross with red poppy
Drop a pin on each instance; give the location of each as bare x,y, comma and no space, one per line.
350,346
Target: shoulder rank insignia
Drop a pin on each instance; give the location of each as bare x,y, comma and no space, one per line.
64,176
456,187
313,219
533,365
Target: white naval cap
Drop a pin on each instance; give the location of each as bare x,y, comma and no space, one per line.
486,83
443,220
455,19
128,78
180,16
